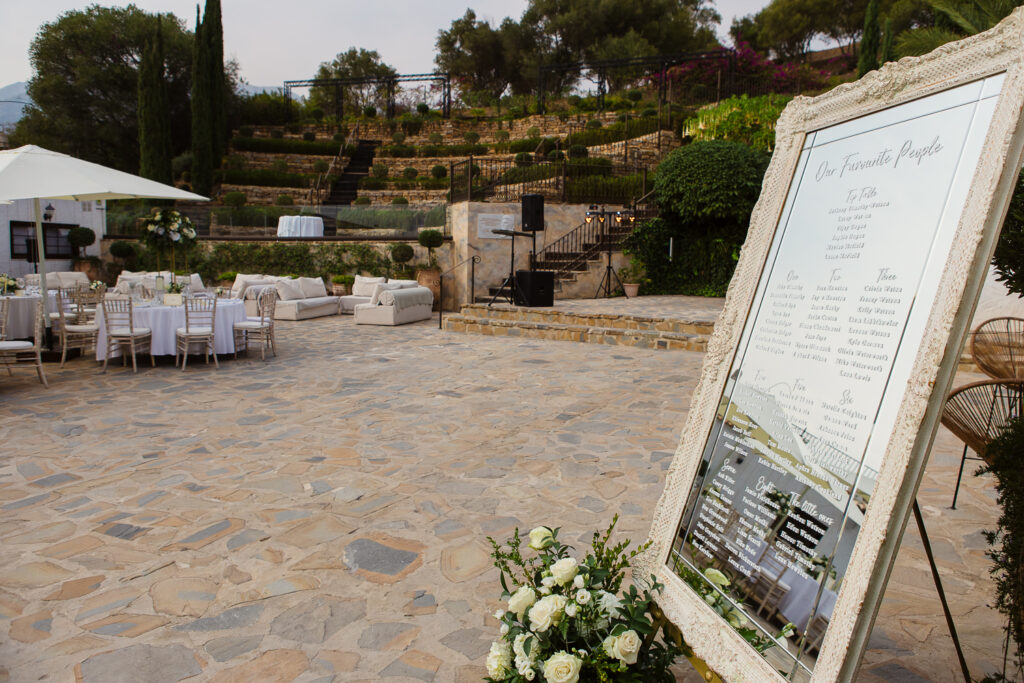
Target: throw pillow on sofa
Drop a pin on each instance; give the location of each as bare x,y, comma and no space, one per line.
312,287
380,288
363,286
288,290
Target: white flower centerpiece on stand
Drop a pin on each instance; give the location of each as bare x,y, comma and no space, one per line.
168,229
564,620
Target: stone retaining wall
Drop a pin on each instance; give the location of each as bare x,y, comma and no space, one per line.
297,163
258,194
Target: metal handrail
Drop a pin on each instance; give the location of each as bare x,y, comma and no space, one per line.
473,260
316,191
585,242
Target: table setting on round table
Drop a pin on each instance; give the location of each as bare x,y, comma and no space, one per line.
21,311
165,320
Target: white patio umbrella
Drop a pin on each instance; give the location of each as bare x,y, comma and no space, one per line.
35,173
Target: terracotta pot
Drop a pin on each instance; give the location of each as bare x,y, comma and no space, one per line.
339,289
631,289
431,279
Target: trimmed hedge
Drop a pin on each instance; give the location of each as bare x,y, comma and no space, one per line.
616,132
282,146
265,178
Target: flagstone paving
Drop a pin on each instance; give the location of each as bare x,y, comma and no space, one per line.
323,516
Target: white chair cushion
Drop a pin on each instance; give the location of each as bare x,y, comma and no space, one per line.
288,291
363,286
194,332
381,287
82,328
127,332
312,287
404,284
251,325
196,283
15,345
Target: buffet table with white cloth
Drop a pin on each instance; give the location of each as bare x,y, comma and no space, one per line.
300,226
165,320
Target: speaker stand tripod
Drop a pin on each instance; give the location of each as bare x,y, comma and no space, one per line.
510,281
609,272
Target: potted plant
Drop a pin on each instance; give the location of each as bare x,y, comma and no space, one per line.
227,279
340,284
401,254
430,277
632,277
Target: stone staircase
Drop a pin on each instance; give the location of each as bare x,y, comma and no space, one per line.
346,187
503,320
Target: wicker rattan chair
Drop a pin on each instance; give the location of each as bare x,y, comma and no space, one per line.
200,324
997,346
119,322
978,412
260,328
26,353
73,331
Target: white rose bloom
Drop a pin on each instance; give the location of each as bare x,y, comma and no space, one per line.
528,674
626,647
547,612
609,603
523,665
564,570
519,648
562,667
570,609
499,659
498,614
504,629
548,581
521,601
544,590
583,596
578,581
540,538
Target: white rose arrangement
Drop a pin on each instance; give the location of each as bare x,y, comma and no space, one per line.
563,620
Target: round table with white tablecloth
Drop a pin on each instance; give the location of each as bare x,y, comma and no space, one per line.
20,312
300,226
164,320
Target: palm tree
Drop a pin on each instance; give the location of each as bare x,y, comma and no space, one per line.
959,19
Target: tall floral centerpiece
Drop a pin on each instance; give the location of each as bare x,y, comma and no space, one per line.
7,284
565,621
168,229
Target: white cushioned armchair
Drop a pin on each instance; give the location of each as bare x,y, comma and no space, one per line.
395,305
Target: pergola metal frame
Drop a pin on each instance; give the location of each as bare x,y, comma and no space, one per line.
662,62
445,79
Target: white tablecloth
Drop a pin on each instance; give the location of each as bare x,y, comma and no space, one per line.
164,320
20,312
300,226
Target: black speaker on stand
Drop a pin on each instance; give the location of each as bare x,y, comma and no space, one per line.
533,212
535,288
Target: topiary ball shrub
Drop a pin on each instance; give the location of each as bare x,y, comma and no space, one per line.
284,200
410,173
439,171
556,155
370,111
309,136
401,253
361,201
318,114
380,170
277,133
710,183
338,137
422,109
320,166
245,131
234,199
472,137
124,251
634,95
524,159
435,138
431,239
400,201
533,132
649,113
80,238
578,151
501,135
398,137
594,124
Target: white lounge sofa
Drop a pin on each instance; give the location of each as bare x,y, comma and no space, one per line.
395,306
61,278
148,279
304,298
363,287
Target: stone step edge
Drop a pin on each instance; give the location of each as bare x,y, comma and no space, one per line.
470,310
579,333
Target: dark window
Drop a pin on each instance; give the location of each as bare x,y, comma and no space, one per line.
55,235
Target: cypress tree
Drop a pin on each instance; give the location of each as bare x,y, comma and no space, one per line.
154,113
888,52
868,59
202,146
213,34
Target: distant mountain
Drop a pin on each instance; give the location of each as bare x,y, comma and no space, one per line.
10,98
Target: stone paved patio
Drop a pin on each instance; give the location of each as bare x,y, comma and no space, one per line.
322,516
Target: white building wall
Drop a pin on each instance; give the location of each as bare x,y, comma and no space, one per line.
89,214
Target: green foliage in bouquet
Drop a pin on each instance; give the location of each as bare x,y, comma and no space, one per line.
565,621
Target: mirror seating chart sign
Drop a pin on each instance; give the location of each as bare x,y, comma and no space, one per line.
821,389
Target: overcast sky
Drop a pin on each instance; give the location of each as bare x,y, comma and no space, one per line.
275,41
